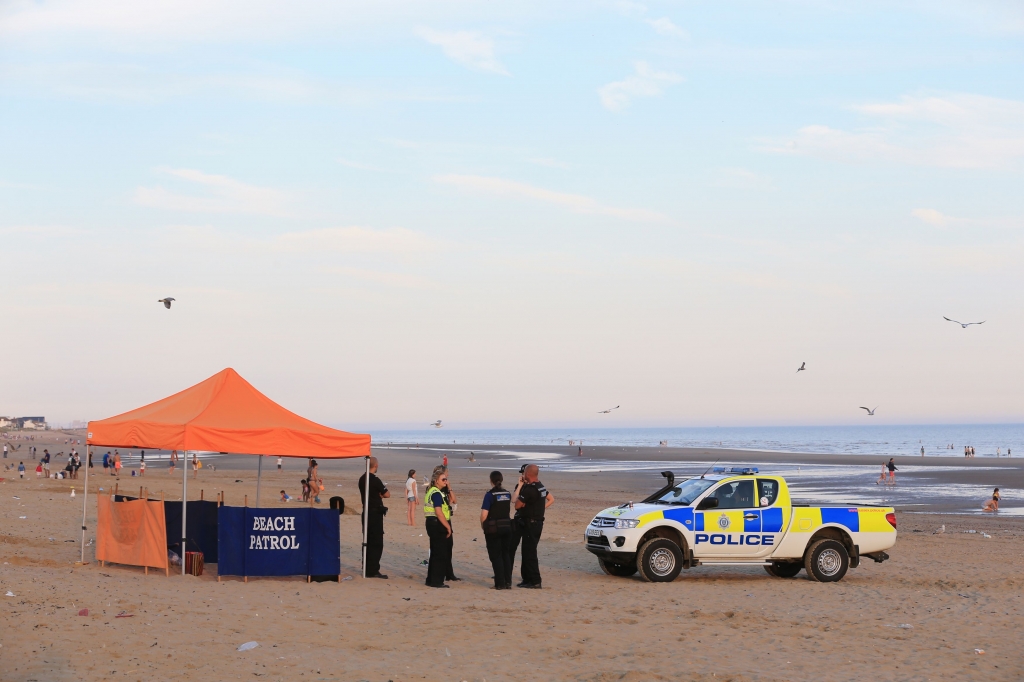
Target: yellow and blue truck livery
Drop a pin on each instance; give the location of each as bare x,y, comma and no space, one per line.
737,516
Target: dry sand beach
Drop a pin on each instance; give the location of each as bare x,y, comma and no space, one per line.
920,616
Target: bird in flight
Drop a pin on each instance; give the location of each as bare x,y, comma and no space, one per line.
871,413
802,367
608,411
166,302
965,325
437,424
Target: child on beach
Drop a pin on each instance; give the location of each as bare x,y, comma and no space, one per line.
881,476
285,497
21,470
993,504
142,467
305,490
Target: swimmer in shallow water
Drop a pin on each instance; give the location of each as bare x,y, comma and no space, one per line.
993,504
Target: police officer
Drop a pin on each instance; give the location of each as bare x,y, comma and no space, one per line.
453,502
375,525
531,500
439,530
497,527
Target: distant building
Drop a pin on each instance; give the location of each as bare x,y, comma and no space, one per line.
30,423
6,422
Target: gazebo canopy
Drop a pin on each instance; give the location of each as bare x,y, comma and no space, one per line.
225,413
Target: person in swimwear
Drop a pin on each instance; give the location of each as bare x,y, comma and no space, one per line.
993,504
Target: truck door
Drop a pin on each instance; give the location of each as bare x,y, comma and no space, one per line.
733,529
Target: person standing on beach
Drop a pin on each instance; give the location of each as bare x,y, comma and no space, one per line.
411,495
46,462
374,509
444,461
439,530
532,499
891,466
453,503
142,468
922,451
21,470
497,527
280,461
195,465
312,476
117,464
5,450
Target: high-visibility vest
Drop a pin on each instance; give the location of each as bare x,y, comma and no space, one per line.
428,508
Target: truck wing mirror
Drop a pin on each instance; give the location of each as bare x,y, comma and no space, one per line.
708,503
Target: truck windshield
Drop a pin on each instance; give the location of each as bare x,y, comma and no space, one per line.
686,492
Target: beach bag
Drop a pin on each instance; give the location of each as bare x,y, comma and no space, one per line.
194,563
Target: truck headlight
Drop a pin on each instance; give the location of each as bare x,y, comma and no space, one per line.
627,523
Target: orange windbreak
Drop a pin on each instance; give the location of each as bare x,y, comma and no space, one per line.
131,533
225,413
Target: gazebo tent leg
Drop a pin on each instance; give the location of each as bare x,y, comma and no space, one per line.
85,493
184,508
259,478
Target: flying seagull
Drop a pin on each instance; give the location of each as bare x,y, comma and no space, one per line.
166,302
871,413
802,367
608,410
437,424
965,325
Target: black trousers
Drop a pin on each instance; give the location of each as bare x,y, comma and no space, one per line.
440,552
531,530
499,550
374,541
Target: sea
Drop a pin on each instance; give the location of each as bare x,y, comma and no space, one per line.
891,440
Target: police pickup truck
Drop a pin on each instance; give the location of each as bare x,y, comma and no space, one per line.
735,516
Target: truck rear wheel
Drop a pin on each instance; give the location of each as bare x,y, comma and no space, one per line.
827,561
659,560
783,569
618,570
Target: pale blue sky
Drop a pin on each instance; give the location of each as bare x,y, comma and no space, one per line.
516,214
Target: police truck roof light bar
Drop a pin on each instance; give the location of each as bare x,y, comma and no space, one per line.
734,470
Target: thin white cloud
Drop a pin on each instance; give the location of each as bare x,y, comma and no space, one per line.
577,203
468,48
953,131
401,280
356,239
216,194
932,217
645,82
666,27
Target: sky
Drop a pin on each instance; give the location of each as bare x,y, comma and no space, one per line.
516,214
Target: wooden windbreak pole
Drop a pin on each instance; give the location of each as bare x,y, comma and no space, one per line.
167,564
200,493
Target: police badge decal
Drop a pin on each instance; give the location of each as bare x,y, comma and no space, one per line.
723,521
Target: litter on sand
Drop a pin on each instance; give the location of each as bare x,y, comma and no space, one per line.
83,612
448,653
125,614
985,535
248,645
347,577
902,626
9,594
979,651
22,517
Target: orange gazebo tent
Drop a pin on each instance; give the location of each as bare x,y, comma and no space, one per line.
225,413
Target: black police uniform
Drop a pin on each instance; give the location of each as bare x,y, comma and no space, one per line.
375,525
531,524
497,534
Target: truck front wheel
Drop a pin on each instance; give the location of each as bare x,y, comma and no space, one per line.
659,560
618,570
827,561
783,569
